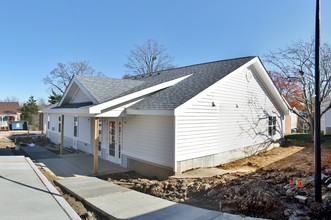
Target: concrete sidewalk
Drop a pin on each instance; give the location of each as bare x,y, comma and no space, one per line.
121,203
27,194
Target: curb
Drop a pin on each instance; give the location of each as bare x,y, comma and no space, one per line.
55,194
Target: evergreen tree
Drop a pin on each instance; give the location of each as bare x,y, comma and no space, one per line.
54,97
28,109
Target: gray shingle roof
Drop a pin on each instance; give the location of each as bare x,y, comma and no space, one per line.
151,79
104,89
204,75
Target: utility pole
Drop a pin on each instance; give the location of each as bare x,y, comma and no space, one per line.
317,137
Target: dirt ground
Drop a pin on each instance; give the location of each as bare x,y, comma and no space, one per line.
264,185
82,210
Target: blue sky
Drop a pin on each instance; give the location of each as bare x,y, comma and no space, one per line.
36,35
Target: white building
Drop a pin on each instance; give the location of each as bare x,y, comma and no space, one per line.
9,112
174,120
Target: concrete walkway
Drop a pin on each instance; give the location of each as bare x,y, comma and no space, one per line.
27,194
121,203
70,165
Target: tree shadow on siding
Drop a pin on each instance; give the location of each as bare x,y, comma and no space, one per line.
262,127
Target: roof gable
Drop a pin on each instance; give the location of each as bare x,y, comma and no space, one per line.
76,93
9,108
95,90
105,88
203,76
161,91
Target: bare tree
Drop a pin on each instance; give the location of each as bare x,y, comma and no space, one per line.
58,79
296,63
10,99
149,57
42,103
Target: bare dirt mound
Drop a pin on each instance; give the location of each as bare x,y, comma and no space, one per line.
277,184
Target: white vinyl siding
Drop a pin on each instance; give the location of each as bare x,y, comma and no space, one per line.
54,122
239,117
68,126
84,129
149,138
53,133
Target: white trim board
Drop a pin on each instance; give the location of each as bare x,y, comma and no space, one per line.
97,109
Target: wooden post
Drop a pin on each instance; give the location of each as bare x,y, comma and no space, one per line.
96,145
62,134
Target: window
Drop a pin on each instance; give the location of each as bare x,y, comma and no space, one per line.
272,125
60,122
75,126
100,135
112,138
48,121
119,138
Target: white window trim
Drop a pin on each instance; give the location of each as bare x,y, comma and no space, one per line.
273,127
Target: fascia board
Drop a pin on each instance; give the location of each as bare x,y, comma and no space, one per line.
111,114
98,108
270,86
150,112
69,111
66,91
117,111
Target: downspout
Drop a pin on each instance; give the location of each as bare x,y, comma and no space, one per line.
175,144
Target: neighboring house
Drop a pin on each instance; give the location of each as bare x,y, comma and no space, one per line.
9,112
326,118
173,120
291,121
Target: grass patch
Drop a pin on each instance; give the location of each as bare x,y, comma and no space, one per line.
299,137
326,141
306,138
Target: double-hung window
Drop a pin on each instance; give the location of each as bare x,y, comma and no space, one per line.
272,125
48,121
60,123
100,135
75,126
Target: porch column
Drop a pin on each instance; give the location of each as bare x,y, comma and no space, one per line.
96,145
62,134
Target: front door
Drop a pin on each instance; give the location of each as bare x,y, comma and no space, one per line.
114,140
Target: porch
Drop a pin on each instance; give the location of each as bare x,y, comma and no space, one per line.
70,164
